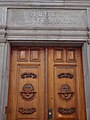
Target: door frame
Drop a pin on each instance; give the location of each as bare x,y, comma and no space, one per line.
83,45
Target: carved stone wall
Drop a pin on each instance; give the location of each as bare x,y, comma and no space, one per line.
47,18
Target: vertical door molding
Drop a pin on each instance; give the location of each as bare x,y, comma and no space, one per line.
2,54
86,69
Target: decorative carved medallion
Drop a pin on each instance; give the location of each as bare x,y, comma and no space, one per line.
66,110
65,75
28,92
28,75
65,92
27,110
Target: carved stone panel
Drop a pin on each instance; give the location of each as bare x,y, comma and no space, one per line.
3,14
53,18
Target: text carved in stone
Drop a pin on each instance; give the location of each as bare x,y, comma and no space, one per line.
47,18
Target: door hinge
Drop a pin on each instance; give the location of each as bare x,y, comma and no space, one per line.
5,109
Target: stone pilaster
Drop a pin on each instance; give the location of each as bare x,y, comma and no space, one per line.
3,14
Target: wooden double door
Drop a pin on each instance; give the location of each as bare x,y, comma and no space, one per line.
46,84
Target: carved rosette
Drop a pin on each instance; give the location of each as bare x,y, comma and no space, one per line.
28,75
27,110
65,92
66,111
65,75
28,92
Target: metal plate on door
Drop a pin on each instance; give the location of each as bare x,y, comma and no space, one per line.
50,113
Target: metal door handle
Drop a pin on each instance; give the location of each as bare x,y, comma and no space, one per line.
49,113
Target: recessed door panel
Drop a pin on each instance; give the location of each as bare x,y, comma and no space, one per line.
65,92
28,91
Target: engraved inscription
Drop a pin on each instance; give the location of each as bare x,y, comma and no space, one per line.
47,17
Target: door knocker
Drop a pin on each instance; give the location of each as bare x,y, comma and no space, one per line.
65,92
28,92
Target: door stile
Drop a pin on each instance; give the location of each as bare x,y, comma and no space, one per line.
46,85
51,98
80,88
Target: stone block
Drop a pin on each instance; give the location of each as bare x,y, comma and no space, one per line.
1,74
3,15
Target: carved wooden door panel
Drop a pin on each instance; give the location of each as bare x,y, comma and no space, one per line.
46,84
65,84
26,87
